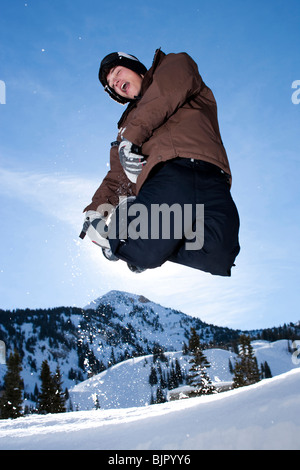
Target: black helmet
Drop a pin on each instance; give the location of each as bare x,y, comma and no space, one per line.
114,59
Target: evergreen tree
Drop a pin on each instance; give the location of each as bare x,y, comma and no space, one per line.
239,379
268,373
172,379
185,349
97,402
112,360
12,398
51,398
46,396
194,341
35,392
158,353
153,376
163,381
198,377
178,372
160,396
246,369
265,371
59,398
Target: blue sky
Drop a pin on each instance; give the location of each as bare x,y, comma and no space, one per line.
57,124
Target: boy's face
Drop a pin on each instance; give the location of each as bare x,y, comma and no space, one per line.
124,81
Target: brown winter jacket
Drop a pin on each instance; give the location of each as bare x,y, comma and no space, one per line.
176,116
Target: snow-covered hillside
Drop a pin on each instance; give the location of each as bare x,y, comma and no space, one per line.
127,383
277,354
86,341
115,327
262,416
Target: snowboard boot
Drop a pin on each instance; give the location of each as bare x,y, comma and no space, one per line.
135,269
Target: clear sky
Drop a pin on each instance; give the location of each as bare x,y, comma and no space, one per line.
56,125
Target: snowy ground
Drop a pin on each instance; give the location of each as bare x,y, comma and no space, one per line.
126,384
262,416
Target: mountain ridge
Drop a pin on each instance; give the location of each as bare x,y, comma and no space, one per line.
114,327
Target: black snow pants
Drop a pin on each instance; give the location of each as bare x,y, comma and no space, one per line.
177,190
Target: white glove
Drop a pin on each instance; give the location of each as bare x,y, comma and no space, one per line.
92,215
95,227
131,160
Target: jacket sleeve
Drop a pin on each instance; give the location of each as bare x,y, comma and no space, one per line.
114,185
175,80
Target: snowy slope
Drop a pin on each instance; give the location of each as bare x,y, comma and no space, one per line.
151,322
276,354
114,327
262,416
82,341
127,383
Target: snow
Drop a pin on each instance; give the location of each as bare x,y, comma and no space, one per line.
263,416
135,324
276,354
127,384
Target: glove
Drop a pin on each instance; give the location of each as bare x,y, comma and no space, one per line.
94,225
92,215
131,160
88,218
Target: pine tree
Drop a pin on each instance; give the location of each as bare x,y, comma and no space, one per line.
46,396
51,398
246,369
96,402
158,353
59,398
265,371
163,381
198,377
153,376
160,396
112,360
268,373
178,372
172,379
239,379
185,349
194,341
12,398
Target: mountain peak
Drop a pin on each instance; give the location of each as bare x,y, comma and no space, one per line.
114,297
